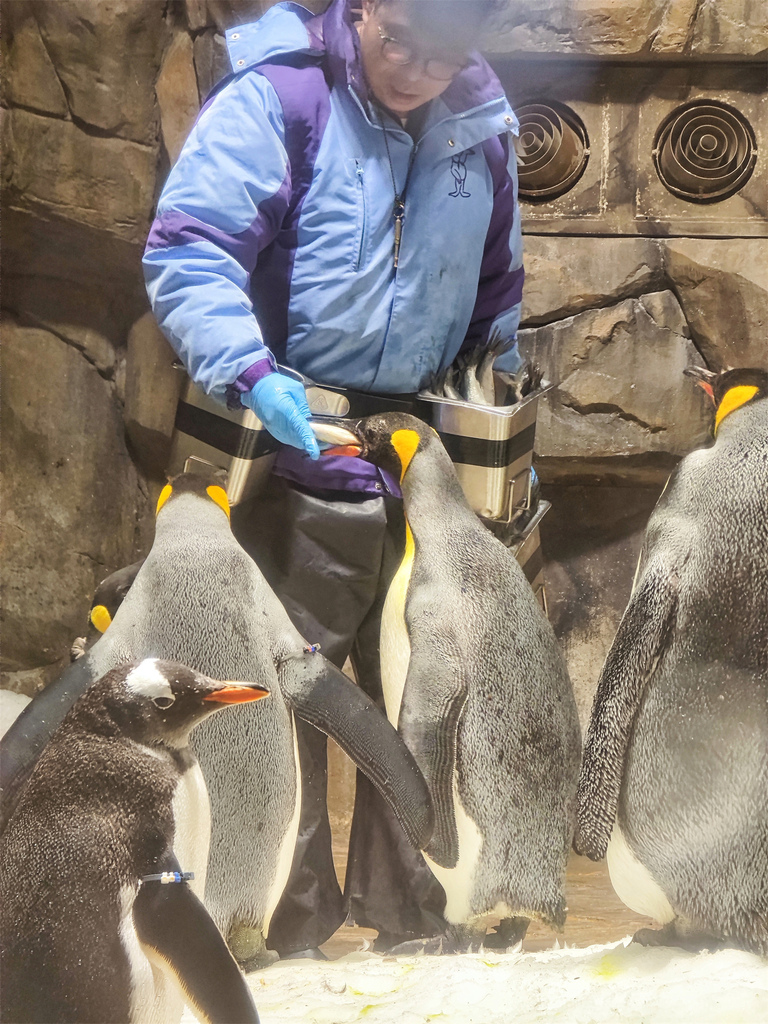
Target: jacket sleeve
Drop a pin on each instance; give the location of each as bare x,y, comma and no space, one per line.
224,202
500,287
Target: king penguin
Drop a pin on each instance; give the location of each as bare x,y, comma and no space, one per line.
97,921
200,599
674,784
475,682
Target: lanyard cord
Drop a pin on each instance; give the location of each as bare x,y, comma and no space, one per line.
398,209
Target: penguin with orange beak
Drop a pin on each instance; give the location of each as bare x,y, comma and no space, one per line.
477,686
199,598
97,919
674,783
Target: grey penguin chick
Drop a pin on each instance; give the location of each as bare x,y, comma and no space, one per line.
674,785
88,931
475,681
200,599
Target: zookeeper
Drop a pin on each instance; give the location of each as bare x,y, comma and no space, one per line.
346,206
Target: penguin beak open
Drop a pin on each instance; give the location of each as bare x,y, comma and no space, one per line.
351,450
703,378
237,693
339,440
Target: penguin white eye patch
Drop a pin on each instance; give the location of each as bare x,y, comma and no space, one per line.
146,680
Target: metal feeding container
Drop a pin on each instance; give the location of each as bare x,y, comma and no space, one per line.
527,551
206,433
491,448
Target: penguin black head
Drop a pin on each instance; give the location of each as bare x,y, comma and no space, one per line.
731,389
204,483
155,701
389,440
110,594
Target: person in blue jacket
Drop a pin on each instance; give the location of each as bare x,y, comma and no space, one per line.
345,205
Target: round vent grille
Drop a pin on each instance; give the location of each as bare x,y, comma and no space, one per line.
704,151
553,150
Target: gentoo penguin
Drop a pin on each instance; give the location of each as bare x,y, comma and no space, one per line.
96,920
675,771
200,599
478,688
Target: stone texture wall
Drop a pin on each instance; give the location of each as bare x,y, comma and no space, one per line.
626,284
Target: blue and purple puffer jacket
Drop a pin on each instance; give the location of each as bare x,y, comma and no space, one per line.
274,233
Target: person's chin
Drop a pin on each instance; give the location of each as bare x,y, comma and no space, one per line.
403,103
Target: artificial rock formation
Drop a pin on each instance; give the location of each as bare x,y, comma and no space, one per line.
74,508
621,397
632,28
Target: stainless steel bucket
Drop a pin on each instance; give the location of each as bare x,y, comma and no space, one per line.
527,551
206,433
491,449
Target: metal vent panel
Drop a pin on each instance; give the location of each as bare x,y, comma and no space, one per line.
628,111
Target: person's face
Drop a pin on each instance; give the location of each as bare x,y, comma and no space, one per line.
386,32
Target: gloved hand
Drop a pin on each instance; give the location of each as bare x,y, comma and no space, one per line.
281,404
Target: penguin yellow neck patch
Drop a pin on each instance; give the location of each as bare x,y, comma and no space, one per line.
405,443
733,399
165,494
219,495
101,618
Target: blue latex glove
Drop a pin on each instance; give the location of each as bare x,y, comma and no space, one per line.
280,402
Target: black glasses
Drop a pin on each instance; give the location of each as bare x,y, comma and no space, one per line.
395,52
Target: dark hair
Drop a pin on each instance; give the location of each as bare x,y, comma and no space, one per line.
459,13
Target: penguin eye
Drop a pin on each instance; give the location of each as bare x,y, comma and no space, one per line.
163,702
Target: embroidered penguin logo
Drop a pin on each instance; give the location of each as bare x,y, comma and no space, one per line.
459,172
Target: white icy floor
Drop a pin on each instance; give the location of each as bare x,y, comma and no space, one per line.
617,982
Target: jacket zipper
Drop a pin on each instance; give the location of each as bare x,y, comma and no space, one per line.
361,188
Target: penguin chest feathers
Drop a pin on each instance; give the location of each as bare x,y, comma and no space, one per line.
395,642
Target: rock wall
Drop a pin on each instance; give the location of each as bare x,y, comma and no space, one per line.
626,283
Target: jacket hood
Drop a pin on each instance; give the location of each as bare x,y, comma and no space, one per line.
288,30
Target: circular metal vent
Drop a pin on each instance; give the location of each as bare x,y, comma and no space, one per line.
552,149
704,151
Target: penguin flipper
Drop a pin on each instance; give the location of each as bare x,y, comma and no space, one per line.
174,924
429,724
323,696
23,744
634,657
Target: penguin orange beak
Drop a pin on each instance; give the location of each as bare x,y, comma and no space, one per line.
237,694
352,450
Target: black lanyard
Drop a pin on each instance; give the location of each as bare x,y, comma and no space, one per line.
398,208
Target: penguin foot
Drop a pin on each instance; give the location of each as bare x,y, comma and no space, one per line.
509,932
670,935
311,953
451,942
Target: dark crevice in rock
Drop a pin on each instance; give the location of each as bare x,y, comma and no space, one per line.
613,410
26,319
65,91
37,112
105,133
91,558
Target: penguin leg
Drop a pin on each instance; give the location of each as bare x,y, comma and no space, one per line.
509,932
634,656
177,930
322,695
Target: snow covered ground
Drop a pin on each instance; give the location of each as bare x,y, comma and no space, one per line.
619,982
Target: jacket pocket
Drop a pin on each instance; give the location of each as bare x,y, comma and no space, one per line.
361,217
